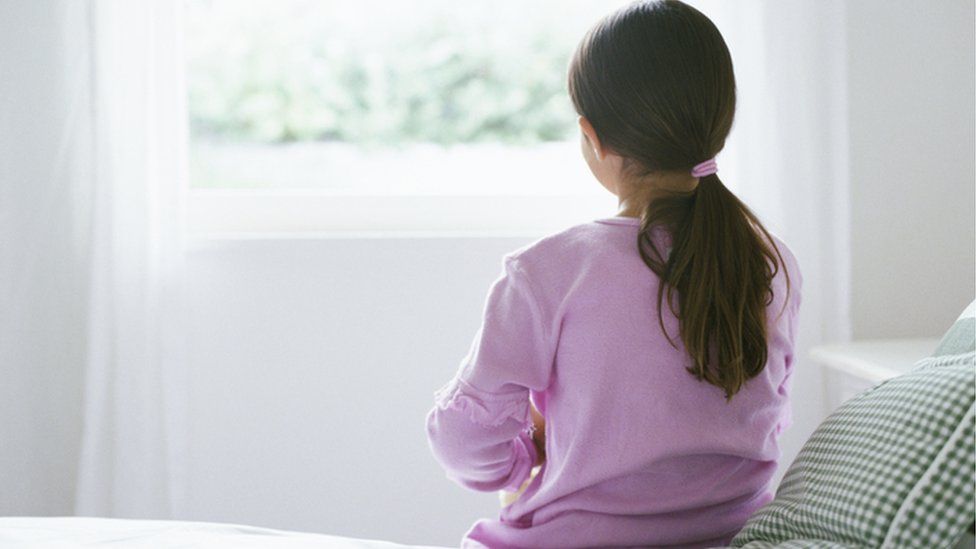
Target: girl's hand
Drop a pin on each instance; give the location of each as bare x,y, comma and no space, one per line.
539,440
538,433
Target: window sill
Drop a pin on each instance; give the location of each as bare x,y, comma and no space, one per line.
246,214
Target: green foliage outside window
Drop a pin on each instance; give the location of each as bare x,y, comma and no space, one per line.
285,71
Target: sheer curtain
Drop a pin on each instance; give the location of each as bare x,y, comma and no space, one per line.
92,170
132,437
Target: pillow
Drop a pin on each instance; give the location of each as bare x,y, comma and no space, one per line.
892,467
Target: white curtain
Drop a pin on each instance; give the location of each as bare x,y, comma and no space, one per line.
93,169
131,453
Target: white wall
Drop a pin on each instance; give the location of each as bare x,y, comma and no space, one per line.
913,184
314,364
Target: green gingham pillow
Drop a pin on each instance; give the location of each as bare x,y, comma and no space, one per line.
892,467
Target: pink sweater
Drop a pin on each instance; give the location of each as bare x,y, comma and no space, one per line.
639,453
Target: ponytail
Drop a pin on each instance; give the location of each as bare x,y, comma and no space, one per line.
720,269
655,80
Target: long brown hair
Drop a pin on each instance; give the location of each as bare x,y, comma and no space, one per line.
655,80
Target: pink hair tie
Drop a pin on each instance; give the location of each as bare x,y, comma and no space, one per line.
707,167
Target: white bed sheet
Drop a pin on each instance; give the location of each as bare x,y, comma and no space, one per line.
63,532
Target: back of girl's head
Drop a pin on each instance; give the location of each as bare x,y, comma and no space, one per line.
655,81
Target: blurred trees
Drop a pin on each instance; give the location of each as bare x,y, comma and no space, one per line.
298,70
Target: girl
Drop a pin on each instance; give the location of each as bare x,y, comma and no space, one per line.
655,346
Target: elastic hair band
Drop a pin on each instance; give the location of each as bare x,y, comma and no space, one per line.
707,167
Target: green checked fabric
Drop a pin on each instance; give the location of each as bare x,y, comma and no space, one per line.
892,467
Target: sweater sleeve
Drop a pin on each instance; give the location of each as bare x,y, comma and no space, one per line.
479,427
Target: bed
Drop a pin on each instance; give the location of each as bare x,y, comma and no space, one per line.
63,532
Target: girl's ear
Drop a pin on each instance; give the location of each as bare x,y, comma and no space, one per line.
591,136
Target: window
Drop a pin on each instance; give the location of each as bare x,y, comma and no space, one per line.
367,116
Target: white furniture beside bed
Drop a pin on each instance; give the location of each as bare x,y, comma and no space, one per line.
850,368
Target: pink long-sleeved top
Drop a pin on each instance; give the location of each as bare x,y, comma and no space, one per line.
639,452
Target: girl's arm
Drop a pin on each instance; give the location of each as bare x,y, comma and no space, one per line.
481,426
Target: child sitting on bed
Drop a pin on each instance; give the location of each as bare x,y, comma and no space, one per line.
654,346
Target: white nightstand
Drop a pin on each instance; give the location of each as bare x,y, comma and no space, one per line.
850,368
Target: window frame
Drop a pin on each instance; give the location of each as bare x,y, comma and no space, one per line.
217,213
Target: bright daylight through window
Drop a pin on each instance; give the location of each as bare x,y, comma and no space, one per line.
432,98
